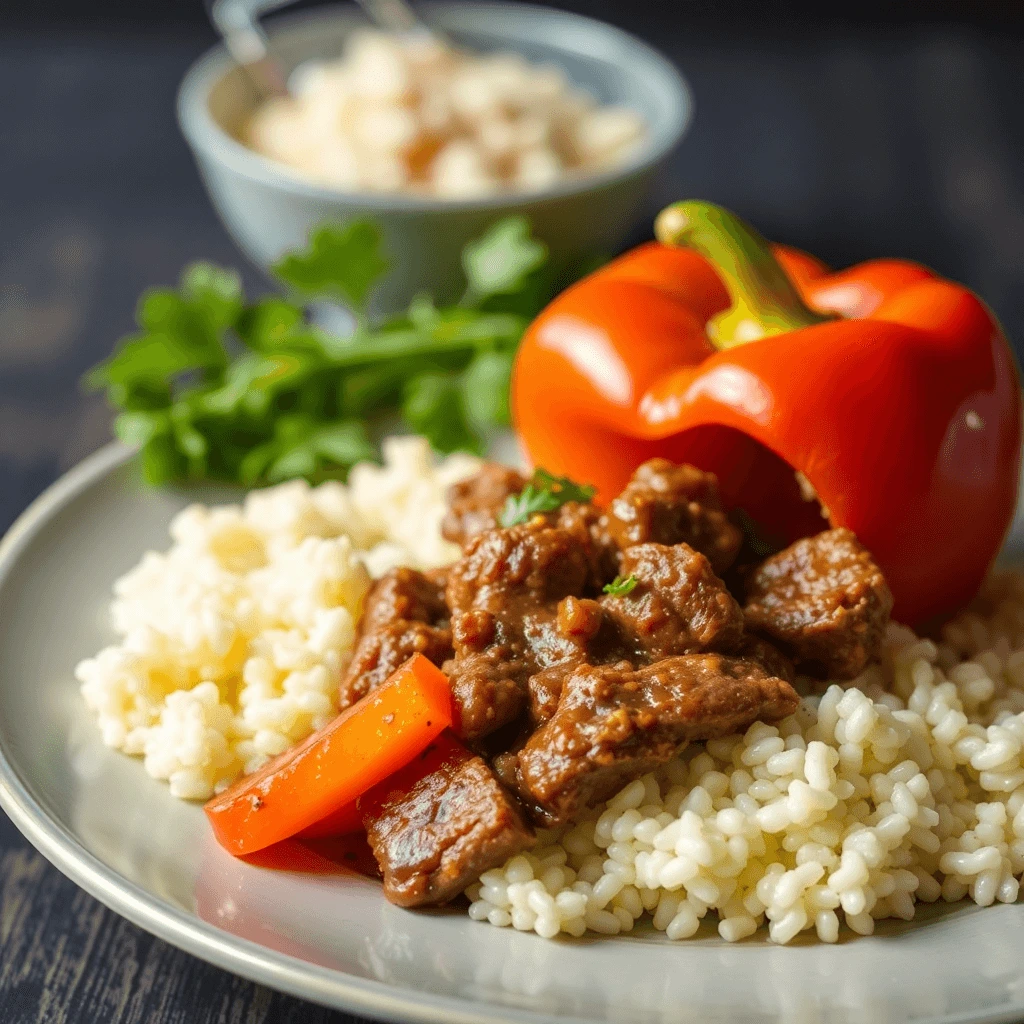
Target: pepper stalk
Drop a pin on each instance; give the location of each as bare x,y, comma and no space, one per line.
764,301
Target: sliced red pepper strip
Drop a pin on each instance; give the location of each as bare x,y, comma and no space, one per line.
327,771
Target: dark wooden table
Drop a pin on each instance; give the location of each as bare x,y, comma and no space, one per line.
853,142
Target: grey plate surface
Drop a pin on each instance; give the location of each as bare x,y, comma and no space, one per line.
334,939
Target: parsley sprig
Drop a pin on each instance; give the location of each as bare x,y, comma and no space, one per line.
215,385
544,493
621,586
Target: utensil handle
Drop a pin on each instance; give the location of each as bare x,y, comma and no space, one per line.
238,21
393,15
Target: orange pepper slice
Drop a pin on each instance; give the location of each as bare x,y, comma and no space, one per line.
327,771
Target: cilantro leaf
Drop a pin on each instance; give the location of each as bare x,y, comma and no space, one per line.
269,324
544,493
485,387
213,386
754,537
501,262
341,262
215,290
140,427
141,360
432,406
620,587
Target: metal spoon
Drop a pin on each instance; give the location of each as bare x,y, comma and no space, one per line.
238,22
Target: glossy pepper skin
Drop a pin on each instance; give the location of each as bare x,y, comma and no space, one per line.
891,391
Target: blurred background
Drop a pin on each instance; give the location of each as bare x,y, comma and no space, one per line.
849,129
864,129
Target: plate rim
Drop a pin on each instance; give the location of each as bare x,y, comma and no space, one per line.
187,931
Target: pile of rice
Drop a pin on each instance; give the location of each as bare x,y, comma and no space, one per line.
232,643
905,785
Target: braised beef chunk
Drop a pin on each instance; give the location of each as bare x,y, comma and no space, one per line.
823,601
602,551
474,504
405,614
488,688
678,605
668,504
768,656
438,824
503,595
544,690
505,767
386,649
404,594
616,722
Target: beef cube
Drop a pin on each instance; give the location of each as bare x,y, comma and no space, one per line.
668,504
532,563
614,723
474,504
768,656
603,553
405,614
504,594
544,689
824,601
404,594
488,689
436,825
387,648
678,606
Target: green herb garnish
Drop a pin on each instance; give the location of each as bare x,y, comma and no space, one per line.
544,493
761,545
216,386
620,587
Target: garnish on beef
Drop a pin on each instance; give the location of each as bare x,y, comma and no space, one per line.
678,605
438,824
823,601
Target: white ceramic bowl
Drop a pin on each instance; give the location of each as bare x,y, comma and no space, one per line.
268,209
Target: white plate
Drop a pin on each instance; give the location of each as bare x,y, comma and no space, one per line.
334,939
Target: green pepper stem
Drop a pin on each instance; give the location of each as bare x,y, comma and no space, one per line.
764,301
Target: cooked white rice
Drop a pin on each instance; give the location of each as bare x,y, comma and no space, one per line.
905,785
232,643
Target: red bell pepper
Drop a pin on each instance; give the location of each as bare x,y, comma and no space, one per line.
881,398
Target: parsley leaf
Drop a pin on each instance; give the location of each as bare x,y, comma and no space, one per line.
760,544
433,407
341,262
544,493
620,587
485,387
502,261
215,386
